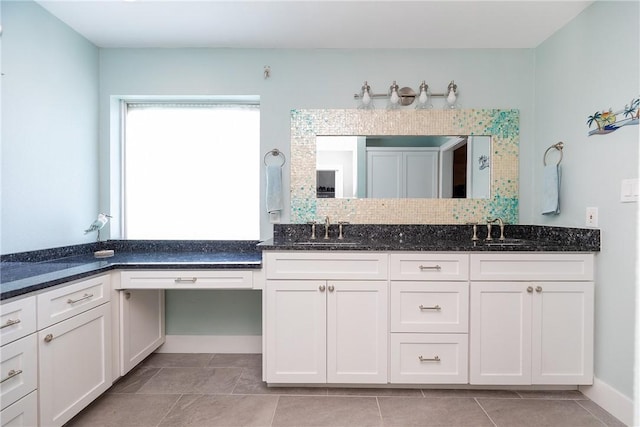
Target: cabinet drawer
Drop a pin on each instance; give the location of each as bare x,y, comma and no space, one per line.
18,369
67,301
429,358
429,307
332,265
18,319
23,413
187,279
429,266
532,267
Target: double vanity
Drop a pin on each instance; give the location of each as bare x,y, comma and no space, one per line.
387,305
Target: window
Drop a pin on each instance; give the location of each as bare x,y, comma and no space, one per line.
191,171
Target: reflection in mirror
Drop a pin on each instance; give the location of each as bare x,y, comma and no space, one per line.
390,167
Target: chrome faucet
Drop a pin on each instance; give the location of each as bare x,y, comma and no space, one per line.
340,225
313,229
327,223
500,224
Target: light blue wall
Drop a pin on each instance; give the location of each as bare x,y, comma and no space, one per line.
49,131
305,79
593,64
316,79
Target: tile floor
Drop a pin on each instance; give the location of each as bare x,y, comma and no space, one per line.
210,390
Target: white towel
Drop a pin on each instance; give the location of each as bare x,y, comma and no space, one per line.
551,190
274,189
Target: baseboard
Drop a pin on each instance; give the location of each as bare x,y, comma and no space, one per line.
610,399
211,344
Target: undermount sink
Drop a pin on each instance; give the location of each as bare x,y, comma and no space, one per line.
325,243
507,242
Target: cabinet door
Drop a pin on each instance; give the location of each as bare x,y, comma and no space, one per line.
296,331
500,333
384,174
74,365
357,332
141,325
562,331
420,174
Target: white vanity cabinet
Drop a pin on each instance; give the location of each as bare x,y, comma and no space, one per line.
326,317
142,328
531,319
18,363
429,318
74,347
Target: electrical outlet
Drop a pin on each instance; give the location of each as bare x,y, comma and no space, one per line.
592,217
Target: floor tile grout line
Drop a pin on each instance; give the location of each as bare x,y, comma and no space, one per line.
169,410
237,381
379,411
591,413
485,411
275,409
148,379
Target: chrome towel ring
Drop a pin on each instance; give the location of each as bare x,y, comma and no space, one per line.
276,153
559,146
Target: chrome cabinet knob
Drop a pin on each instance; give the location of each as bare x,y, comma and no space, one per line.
48,338
538,289
331,288
322,288
530,289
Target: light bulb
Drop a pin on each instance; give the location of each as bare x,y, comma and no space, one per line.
366,98
394,97
423,97
451,95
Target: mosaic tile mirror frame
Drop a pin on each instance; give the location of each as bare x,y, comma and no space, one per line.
502,125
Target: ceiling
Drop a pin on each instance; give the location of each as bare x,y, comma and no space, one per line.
315,24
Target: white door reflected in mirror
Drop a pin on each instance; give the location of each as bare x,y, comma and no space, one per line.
403,167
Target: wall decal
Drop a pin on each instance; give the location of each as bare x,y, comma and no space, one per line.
608,121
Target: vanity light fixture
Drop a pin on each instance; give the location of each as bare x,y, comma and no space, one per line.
366,97
394,97
404,96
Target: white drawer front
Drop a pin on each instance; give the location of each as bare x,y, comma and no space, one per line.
67,301
429,307
429,266
17,319
186,279
331,265
532,267
23,413
18,369
429,358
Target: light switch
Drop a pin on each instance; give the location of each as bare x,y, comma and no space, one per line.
629,190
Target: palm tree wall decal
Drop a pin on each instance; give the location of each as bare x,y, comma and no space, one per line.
594,118
607,122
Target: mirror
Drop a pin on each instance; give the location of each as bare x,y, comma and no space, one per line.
307,126
402,166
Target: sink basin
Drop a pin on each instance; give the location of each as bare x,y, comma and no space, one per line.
508,242
325,243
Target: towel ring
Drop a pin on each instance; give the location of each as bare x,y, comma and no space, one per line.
559,146
276,153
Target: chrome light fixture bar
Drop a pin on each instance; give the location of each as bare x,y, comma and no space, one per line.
404,96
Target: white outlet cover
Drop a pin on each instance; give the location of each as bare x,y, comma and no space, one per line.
629,191
592,217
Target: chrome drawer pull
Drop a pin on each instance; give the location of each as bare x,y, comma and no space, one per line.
186,280
48,338
435,307
84,297
430,267
423,359
10,322
12,373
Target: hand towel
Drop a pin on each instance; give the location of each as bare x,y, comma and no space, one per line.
551,190
274,189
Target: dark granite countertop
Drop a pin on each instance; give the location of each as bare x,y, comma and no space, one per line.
441,238
31,271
